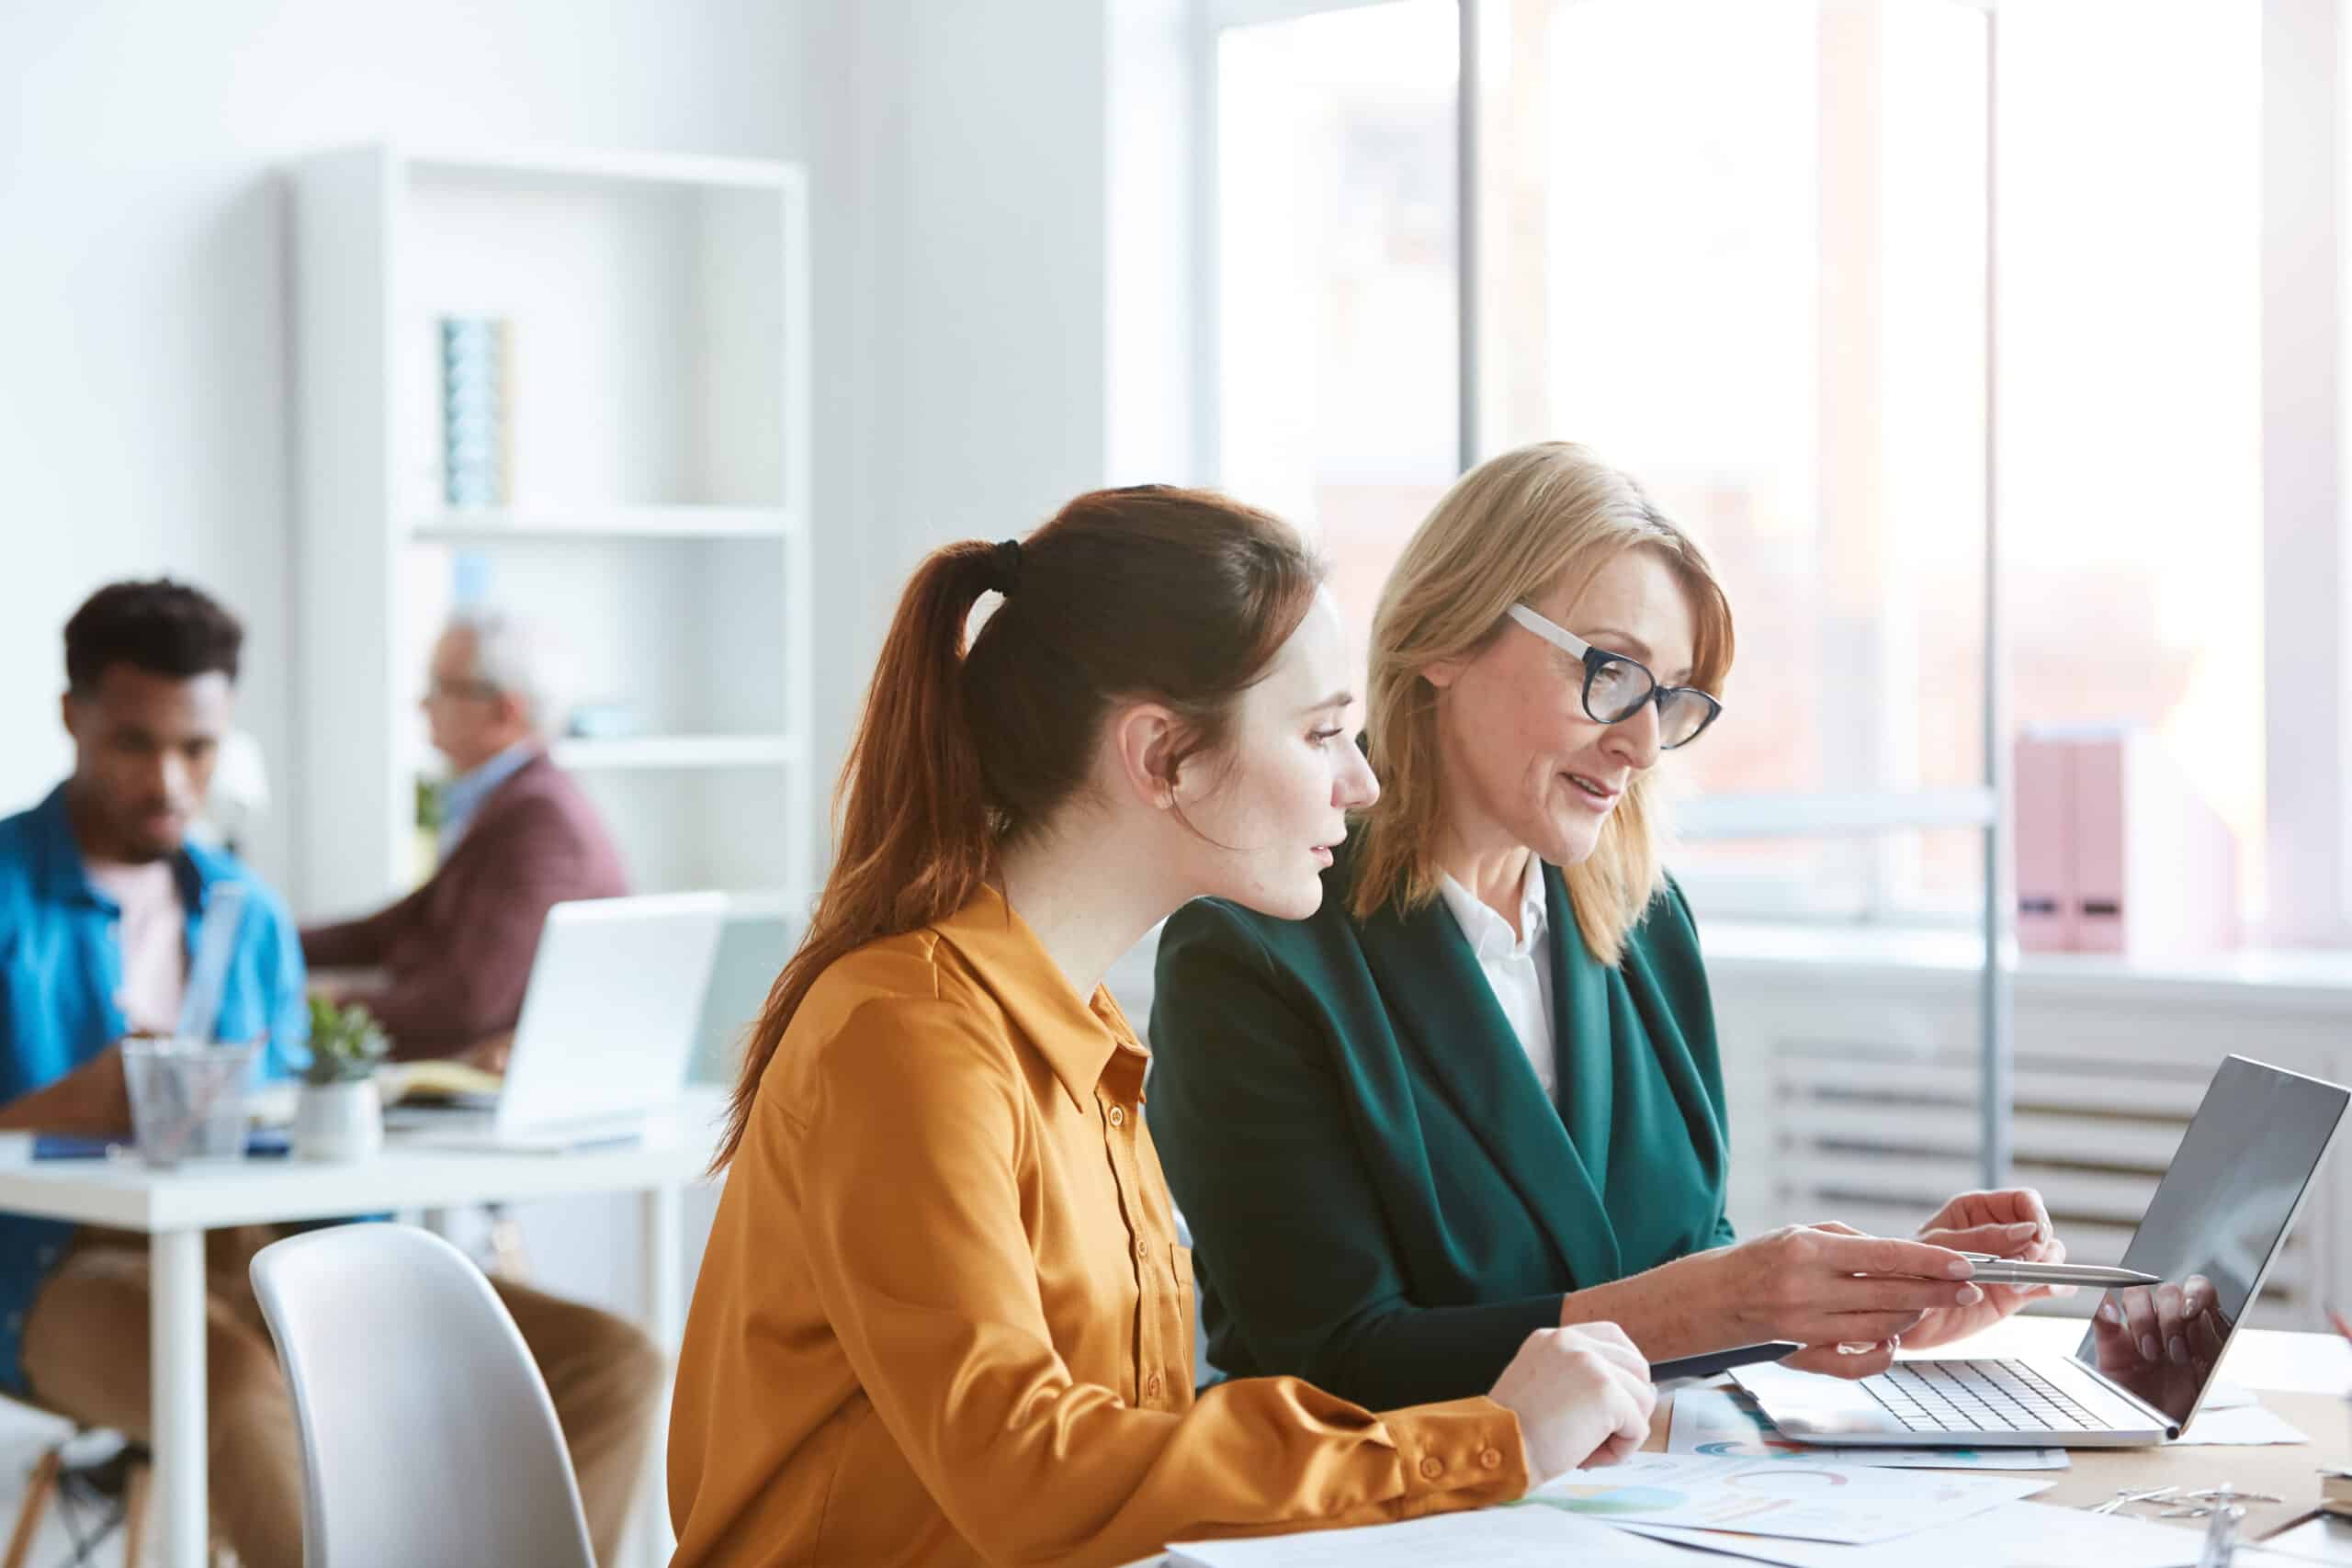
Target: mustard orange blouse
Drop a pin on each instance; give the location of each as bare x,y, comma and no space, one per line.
944,1317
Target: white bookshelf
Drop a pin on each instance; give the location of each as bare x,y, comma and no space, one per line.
676,752
656,526
619,521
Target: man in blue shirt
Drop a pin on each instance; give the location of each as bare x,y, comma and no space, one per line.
108,846
102,897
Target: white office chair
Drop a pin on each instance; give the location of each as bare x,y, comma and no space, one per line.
428,1434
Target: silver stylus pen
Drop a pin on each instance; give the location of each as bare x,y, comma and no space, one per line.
1992,1270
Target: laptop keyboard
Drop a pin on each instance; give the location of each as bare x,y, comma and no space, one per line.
1977,1396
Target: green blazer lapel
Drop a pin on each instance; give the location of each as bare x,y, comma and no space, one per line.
1442,1007
1585,1068
1699,1100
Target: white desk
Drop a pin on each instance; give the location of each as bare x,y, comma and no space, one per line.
2306,1368
175,1208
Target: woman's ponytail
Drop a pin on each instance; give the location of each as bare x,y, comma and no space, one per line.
914,838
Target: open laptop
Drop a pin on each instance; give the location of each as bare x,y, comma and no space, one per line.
609,1023
2222,1211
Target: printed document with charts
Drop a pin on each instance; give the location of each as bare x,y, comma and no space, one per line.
2011,1534
1491,1538
2015,1535
1844,1504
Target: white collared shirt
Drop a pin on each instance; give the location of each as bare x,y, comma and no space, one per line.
1517,965
462,796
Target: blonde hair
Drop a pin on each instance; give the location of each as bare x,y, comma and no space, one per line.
1513,529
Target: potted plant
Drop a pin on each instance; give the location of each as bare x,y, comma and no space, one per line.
339,1115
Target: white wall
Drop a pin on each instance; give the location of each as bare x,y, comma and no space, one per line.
143,337
1151,308
960,188
975,325
978,363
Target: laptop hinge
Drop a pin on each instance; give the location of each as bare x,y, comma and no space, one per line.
2170,1428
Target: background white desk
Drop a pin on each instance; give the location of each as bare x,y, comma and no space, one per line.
174,1209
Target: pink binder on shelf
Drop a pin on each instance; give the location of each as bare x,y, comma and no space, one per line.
2116,849
2101,823
2044,785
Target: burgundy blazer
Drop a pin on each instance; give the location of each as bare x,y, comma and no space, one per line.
456,953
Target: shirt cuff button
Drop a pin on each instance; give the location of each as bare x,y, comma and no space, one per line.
1432,1467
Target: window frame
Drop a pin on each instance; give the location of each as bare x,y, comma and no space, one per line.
2306,422
2306,506
2307,563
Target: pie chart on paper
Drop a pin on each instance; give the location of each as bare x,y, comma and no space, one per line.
1763,1448
1605,1500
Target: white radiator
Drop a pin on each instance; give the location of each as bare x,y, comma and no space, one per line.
1853,1087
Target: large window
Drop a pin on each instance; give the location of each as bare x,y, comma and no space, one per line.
1753,234
1780,259
1335,172
2131,397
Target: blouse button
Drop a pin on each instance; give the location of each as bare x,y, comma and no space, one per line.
1489,1459
1151,1385
1432,1467
1118,1116
1143,1252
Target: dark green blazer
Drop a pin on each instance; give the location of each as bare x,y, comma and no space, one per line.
1382,1199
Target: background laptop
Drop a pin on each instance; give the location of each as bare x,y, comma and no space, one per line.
751,950
2222,1211
609,1022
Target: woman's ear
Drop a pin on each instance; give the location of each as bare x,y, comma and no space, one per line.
1444,673
1144,736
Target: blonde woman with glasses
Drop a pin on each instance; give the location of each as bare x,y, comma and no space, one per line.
1477,1094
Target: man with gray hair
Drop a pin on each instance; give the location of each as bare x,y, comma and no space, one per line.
517,836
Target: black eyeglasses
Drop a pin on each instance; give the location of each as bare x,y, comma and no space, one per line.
1616,687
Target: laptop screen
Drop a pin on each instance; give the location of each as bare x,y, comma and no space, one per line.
2211,1230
